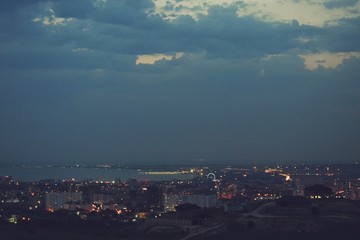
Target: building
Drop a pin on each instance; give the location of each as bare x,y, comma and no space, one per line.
202,200
102,198
56,200
318,191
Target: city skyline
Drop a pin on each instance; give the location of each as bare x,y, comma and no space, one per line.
173,82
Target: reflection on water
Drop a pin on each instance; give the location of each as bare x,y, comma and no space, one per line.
100,174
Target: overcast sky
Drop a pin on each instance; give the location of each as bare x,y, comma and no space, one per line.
179,81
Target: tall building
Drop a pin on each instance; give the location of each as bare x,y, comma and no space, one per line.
102,198
56,200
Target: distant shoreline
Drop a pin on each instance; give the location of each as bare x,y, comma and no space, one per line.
94,172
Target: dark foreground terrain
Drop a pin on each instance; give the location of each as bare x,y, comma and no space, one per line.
92,231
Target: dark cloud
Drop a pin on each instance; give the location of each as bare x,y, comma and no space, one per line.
339,3
125,28
341,37
7,6
75,9
112,11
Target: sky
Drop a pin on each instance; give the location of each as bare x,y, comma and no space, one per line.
179,81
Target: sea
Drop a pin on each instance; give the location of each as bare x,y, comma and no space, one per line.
36,173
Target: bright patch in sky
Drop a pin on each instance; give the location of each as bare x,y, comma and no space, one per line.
81,50
327,60
153,58
52,20
305,12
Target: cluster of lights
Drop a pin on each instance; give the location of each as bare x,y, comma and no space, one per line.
226,196
339,196
266,196
272,170
317,197
287,176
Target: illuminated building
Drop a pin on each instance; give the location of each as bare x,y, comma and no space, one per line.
56,200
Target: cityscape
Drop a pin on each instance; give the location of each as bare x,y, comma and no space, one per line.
304,200
179,119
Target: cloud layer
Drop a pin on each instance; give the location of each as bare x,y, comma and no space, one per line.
173,81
